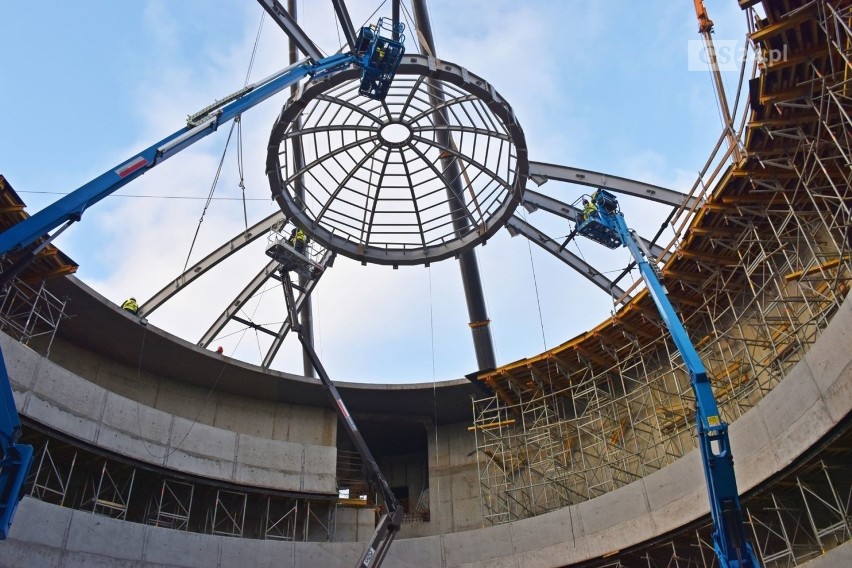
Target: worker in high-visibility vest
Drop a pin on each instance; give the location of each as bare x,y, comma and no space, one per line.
130,305
588,209
298,239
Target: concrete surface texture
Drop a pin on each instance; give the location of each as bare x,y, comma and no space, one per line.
70,404
813,398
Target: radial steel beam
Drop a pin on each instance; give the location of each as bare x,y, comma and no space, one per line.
471,280
287,23
532,201
224,251
265,274
540,172
518,226
345,22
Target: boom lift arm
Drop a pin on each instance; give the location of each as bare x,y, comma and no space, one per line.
604,223
15,459
390,522
378,57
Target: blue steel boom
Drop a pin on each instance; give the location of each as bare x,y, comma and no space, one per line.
604,223
377,56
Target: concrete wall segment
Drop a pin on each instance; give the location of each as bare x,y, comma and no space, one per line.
838,397
800,435
184,549
200,439
135,419
619,506
187,401
48,413
244,553
268,463
320,469
21,364
327,555
789,400
562,526
245,415
415,553
828,358
70,404
89,533
69,392
831,365
483,546
751,446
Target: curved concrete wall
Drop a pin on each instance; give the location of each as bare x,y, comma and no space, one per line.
55,397
813,398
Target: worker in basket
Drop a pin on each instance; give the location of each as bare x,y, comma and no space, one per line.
589,209
299,240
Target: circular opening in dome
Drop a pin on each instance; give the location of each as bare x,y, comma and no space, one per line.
395,134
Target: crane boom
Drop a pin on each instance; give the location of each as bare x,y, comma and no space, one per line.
604,223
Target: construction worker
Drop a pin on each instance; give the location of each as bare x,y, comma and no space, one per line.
588,209
131,306
298,239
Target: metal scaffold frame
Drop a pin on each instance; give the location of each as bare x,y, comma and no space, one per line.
71,476
172,506
108,489
775,273
28,312
229,513
50,476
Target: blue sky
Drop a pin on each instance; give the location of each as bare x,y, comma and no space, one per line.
597,85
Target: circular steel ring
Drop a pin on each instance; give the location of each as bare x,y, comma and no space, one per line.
430,172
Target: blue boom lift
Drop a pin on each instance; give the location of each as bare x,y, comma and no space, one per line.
377,56
603,222
15,458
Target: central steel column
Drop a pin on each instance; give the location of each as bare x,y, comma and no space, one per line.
479,322
306,313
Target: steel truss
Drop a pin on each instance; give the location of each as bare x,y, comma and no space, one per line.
774,274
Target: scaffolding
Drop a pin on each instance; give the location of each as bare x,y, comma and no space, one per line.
70,475
171,507
28,312
767,264
50,475
108,489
